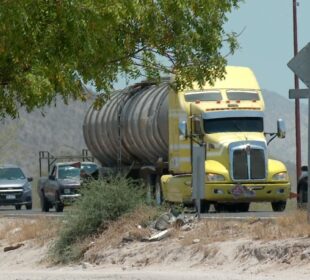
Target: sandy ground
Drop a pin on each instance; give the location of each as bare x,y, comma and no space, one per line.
240,259
235,259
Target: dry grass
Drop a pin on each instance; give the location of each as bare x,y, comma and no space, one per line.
18,230
133,226
294,225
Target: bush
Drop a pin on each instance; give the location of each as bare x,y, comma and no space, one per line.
101,202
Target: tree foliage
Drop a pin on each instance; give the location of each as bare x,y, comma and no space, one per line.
45,46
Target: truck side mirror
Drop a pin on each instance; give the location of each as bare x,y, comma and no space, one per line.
183,130
281,128
197,129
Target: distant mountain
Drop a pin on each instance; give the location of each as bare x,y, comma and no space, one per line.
278,106
59,131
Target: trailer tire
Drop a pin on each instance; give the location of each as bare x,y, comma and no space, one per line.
278,206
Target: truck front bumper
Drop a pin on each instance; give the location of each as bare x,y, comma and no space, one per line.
178,189
16,198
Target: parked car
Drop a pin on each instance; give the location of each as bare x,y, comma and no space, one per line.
302,187
61,187
15,187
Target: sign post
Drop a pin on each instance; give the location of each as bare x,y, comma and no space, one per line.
300,65
198,175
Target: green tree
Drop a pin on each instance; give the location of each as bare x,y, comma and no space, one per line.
46,45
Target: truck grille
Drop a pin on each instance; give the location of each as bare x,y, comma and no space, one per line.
249,164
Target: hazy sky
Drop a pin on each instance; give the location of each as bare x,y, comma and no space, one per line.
267,39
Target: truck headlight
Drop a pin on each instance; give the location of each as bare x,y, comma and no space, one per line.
215,177
282,176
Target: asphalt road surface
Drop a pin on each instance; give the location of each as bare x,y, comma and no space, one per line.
6,211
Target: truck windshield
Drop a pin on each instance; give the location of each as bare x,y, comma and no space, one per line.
233,125
68,172
12,173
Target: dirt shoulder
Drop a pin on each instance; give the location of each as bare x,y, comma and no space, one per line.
184,254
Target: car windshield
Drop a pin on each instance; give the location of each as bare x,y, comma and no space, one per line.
89,168
11,173
68,172
233,125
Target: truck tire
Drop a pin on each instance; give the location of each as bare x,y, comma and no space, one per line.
45,207
204,206
243,207
18,207
278,206
220,207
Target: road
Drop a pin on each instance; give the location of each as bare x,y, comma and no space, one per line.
11,212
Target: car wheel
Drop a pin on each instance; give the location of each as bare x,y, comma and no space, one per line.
18,207
29,206
44,203
278,206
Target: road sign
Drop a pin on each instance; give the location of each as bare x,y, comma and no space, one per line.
299,93
300,65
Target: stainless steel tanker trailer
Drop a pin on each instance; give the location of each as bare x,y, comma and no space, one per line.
130,132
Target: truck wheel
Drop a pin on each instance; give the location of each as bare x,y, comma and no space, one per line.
29,206
204,206
243,207
278,206
220,207
18,207
44,203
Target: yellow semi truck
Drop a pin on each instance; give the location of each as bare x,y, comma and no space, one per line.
150,130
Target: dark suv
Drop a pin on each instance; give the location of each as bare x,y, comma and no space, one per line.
15,187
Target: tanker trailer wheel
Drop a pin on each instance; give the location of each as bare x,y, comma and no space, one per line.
278,206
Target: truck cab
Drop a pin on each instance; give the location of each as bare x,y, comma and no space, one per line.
228,117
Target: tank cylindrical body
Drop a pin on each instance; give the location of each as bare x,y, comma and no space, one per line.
131,127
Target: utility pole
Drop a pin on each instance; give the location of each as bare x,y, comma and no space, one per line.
297,104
